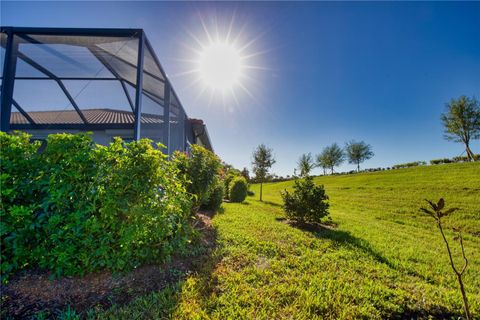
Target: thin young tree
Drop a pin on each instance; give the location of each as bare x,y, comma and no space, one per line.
322,162
358,152
438,211
333,156
461,122
305,164
262,161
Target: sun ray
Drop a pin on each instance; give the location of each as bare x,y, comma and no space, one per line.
230,27
206,30
247,91
185,73
232,91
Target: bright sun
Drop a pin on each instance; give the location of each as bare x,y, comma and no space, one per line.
223,61
220,66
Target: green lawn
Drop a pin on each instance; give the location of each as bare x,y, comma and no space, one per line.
383,260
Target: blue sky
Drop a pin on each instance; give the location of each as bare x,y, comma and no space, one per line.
325,71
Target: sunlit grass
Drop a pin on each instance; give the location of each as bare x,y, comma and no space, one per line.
383,260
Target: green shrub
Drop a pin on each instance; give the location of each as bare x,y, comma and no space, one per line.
69,178
200,171
79,207
229,174
227,181
238,190
19,203
215,197
140,188
307,203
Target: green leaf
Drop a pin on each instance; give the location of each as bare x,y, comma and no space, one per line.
440,204
427,211
447,212
432,205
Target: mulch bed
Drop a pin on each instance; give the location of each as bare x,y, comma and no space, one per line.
32,291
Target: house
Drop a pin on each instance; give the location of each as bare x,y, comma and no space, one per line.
105,81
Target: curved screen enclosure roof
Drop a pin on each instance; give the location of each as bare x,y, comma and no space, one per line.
91,80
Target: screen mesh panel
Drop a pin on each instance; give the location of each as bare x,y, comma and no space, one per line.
3,43
150,66
98,94
64,60
40,96
153,125
80,81
177,124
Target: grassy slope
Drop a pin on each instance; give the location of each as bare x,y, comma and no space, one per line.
384,260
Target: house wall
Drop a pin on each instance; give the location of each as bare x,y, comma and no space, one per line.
104,137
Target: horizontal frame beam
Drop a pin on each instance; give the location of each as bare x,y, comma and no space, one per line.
81,126
65,78
102,32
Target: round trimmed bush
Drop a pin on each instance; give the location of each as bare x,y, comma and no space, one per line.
215,197
238,189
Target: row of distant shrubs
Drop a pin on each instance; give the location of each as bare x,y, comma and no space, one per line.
76,207
409,164
476,157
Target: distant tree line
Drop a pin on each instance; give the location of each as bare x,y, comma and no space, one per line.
461,123
333,156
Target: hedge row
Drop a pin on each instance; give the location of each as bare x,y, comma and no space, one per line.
77,207
476,157
409,164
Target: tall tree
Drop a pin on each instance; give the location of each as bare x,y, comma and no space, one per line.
305,164
262,161
332,156
358,152
461,122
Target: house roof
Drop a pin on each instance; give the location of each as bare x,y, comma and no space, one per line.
201,133
93,116
102,116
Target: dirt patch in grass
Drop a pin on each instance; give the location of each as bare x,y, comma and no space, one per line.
32,291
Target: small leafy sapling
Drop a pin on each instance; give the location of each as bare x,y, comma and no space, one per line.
437,211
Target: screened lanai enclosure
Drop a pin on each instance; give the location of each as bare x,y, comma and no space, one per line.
107,81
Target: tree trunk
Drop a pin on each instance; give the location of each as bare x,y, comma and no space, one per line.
459,274
358,166
261,186
464,297
469,152
332,170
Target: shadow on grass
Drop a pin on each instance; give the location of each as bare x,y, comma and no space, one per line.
272,203
344,238
328,230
